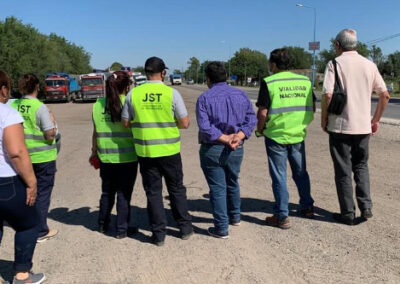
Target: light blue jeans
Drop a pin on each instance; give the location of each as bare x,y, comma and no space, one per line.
221,167
278,154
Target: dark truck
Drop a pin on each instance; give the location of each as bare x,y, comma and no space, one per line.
60,87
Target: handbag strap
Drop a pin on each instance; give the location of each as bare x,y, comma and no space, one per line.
337,80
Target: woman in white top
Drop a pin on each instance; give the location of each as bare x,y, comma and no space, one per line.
17,188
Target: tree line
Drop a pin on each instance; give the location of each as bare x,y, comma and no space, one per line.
247,63
25,50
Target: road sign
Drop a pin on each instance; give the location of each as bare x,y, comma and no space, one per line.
314,45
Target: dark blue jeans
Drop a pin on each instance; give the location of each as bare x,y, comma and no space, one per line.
117,179
221,167
45,174
278,155
22,218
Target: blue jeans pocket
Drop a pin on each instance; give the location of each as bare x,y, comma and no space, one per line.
7,189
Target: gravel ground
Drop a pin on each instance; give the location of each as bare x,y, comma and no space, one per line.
313,251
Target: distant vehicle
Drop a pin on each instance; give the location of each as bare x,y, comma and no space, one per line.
190,82
60,87
93,86
176,79
139,79
390,88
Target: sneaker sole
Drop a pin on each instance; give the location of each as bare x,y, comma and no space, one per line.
280,226
45,238
218,236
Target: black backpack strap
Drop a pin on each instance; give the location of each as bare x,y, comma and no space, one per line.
337,80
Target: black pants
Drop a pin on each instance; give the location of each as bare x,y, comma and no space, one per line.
45,175
22,218
350,155
117,179
152,170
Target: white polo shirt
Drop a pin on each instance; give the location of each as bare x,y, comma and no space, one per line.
8,117
360,77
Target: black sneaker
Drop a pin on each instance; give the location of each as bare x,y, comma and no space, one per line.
347,220
131,231
157,241
216,234
307,212
234,222
186,236
103,228
366,214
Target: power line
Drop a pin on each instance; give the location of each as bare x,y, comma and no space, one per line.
382,39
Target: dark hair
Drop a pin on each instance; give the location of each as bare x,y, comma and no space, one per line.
27,83
5,80
281,58
116,85
216,72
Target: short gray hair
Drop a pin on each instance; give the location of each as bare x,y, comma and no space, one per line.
347,39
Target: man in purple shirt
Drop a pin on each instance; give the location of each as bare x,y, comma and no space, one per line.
226,118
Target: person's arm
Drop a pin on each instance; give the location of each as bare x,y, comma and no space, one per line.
250,120
14,145
179,110
262,115
380,108
127,113
263,104
206,128
183,123
46,123
327,91
94,142
379,87
325,100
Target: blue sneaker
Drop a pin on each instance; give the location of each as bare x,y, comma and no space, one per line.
216,234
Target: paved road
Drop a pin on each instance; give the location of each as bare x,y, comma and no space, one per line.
392,111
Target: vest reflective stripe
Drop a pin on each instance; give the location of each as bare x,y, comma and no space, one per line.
154,128
116,150
114,134
153,124
114,142
290,109
34,137
287,79
157,141
40,150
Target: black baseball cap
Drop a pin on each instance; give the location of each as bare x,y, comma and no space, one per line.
154,65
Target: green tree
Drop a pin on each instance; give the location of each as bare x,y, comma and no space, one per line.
116,66
193,70
177,71
301,59
249,63
25,50
139,69
393,60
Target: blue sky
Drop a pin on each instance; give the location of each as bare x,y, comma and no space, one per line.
131,31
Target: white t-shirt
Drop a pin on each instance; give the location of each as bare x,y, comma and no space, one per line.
8,116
